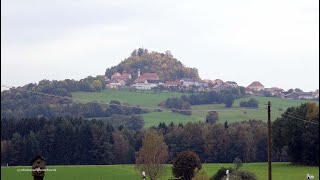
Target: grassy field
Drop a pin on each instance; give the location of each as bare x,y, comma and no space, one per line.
142,98
152,99
280,171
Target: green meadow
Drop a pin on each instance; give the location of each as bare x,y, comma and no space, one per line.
280,171
148,99
151,99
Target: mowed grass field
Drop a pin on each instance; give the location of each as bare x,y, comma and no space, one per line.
151,99
280,171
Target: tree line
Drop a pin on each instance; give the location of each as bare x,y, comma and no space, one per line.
66,141
183,104
79,141
64,87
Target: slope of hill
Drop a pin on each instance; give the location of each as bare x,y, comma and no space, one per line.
148,99
152,99
164,64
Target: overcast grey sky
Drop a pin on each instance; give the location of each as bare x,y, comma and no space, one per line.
273,41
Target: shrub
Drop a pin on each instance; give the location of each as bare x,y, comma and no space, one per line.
242,175
184,112
233,174
221,173
251,103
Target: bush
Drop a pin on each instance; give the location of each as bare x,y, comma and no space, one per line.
233,174
251,103
221,173
242,175
184,112
178,106
158,110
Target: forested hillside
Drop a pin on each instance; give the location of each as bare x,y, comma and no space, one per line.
164,64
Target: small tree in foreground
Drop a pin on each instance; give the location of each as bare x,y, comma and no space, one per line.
186,165
152,155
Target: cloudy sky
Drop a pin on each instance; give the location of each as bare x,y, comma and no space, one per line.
275,42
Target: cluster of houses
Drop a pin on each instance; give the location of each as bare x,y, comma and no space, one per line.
256,88
148,81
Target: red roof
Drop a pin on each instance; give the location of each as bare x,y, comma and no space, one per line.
276,89
248,90
207,80
119,76
255,83
172,83
147,76
116,75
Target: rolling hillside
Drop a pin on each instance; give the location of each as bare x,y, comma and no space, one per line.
151,99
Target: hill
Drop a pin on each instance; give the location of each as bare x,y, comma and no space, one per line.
164,64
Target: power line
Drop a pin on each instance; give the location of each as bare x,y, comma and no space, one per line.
295,116
300,119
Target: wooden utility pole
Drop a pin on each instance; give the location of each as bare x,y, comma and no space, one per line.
269,143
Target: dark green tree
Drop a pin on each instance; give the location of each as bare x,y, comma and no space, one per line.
186,165
212,117
228,100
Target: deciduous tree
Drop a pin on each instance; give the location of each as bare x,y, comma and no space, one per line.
152,155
